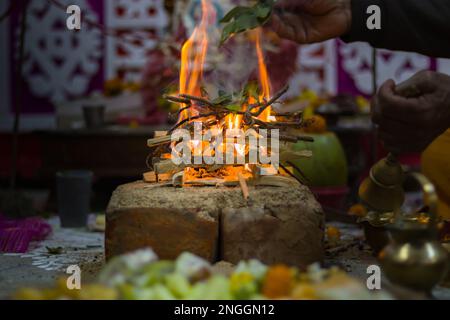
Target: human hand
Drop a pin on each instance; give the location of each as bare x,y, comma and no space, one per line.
410,124
309,21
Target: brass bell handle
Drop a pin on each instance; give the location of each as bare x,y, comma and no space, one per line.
430,197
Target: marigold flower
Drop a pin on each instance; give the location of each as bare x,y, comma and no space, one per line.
279,282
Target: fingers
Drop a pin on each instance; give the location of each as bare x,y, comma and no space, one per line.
391,105
411,123
396,121
422,82
286,26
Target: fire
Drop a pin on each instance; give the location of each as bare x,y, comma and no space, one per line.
193,59
226,137
193,55
262,75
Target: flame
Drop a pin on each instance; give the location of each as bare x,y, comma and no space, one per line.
193,55
263,75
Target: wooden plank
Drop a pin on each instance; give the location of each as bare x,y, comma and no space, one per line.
159,134
151,177
158,141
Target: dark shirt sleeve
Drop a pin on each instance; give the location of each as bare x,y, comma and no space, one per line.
421,26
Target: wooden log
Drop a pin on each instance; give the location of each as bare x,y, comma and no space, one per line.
158,141
160,134
167,166
173,220
151,177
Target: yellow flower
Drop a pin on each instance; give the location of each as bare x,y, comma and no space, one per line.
357,210
304,292
333,233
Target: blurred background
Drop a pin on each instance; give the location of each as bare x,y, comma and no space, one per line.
91,98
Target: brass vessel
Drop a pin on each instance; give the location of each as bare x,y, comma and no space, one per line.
382,193
375,229
446,282
415,258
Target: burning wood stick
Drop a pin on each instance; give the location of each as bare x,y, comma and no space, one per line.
271,101
177,99
244,186
250,117
152,177
197,99
158,141
287,114
182,122
296,138
161,140
167,166
299,171
290,173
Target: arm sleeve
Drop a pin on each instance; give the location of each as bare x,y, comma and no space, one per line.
421,26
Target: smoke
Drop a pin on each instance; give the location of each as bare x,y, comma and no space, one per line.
230,67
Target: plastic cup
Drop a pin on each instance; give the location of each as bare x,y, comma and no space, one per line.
73,194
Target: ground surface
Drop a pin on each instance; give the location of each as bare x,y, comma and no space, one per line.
85,248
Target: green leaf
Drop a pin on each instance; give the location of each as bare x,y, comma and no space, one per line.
234,107
263,11
246,22
227,32
233,13
251,89
222,99
241,19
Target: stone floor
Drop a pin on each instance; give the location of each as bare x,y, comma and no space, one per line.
40,268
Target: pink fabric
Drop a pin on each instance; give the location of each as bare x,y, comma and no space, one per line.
16,235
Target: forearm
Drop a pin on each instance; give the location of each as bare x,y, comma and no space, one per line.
408,25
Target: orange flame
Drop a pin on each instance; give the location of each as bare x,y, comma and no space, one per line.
263,75
193,55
